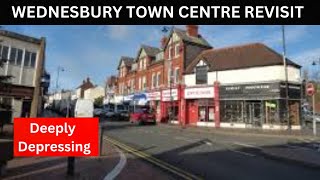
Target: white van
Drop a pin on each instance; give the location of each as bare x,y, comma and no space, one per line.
83,108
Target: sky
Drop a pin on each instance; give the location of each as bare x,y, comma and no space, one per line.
94,51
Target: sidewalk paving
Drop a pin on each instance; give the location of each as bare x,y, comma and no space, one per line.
52,168
303,135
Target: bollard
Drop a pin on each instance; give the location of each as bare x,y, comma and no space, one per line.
71,161
101,139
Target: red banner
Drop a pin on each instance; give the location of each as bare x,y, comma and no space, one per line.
56,137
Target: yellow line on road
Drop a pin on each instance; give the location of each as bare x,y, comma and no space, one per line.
153,160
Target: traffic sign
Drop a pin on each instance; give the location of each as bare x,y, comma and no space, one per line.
310,89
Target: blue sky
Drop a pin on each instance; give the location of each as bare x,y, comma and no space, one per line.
94,51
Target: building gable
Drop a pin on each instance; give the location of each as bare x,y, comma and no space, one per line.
142,53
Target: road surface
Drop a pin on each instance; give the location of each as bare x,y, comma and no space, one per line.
210,156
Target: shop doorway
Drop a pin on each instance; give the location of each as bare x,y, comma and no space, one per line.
254,113
192,113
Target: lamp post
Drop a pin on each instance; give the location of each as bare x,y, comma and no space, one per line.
58,73
286,76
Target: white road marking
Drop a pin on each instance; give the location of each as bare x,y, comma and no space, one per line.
247,145
243,153
118,168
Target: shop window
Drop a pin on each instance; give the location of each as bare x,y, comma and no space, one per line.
232,111
206,110
201,75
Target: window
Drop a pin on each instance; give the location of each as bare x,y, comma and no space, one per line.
19,57
4,52
154,80
13,55
158,79
30,59
170,53
176,75
144,83
177,50
141,65
145,63
201,74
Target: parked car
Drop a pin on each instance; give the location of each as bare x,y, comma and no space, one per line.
97,112
143,115
121,112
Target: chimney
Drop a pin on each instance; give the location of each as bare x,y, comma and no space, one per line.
83,82
88,79
192,30
164,40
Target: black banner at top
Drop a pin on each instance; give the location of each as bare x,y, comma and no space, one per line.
159,12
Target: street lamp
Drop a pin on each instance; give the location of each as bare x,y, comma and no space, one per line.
286,76
57,81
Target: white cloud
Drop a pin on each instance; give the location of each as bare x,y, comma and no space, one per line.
119,32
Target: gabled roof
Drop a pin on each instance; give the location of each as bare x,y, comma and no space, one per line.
128,61
150,51
236,57
186,38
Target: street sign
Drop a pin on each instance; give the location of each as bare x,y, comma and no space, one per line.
310,89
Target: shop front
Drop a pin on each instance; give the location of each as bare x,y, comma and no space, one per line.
200,106
154,99
260,105
170,105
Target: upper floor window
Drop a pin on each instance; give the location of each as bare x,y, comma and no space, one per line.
170,53
4,50
158,79
141,64
154,80
201,74
176,75
16,56
30,59
144,84
177,50
145,63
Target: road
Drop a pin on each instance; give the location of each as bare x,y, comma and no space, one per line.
210,156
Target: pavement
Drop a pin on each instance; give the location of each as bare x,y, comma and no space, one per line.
209,154
112,164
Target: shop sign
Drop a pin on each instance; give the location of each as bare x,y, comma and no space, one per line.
250,90
166,95
153,96
197,93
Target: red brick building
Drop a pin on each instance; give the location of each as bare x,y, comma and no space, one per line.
150,71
